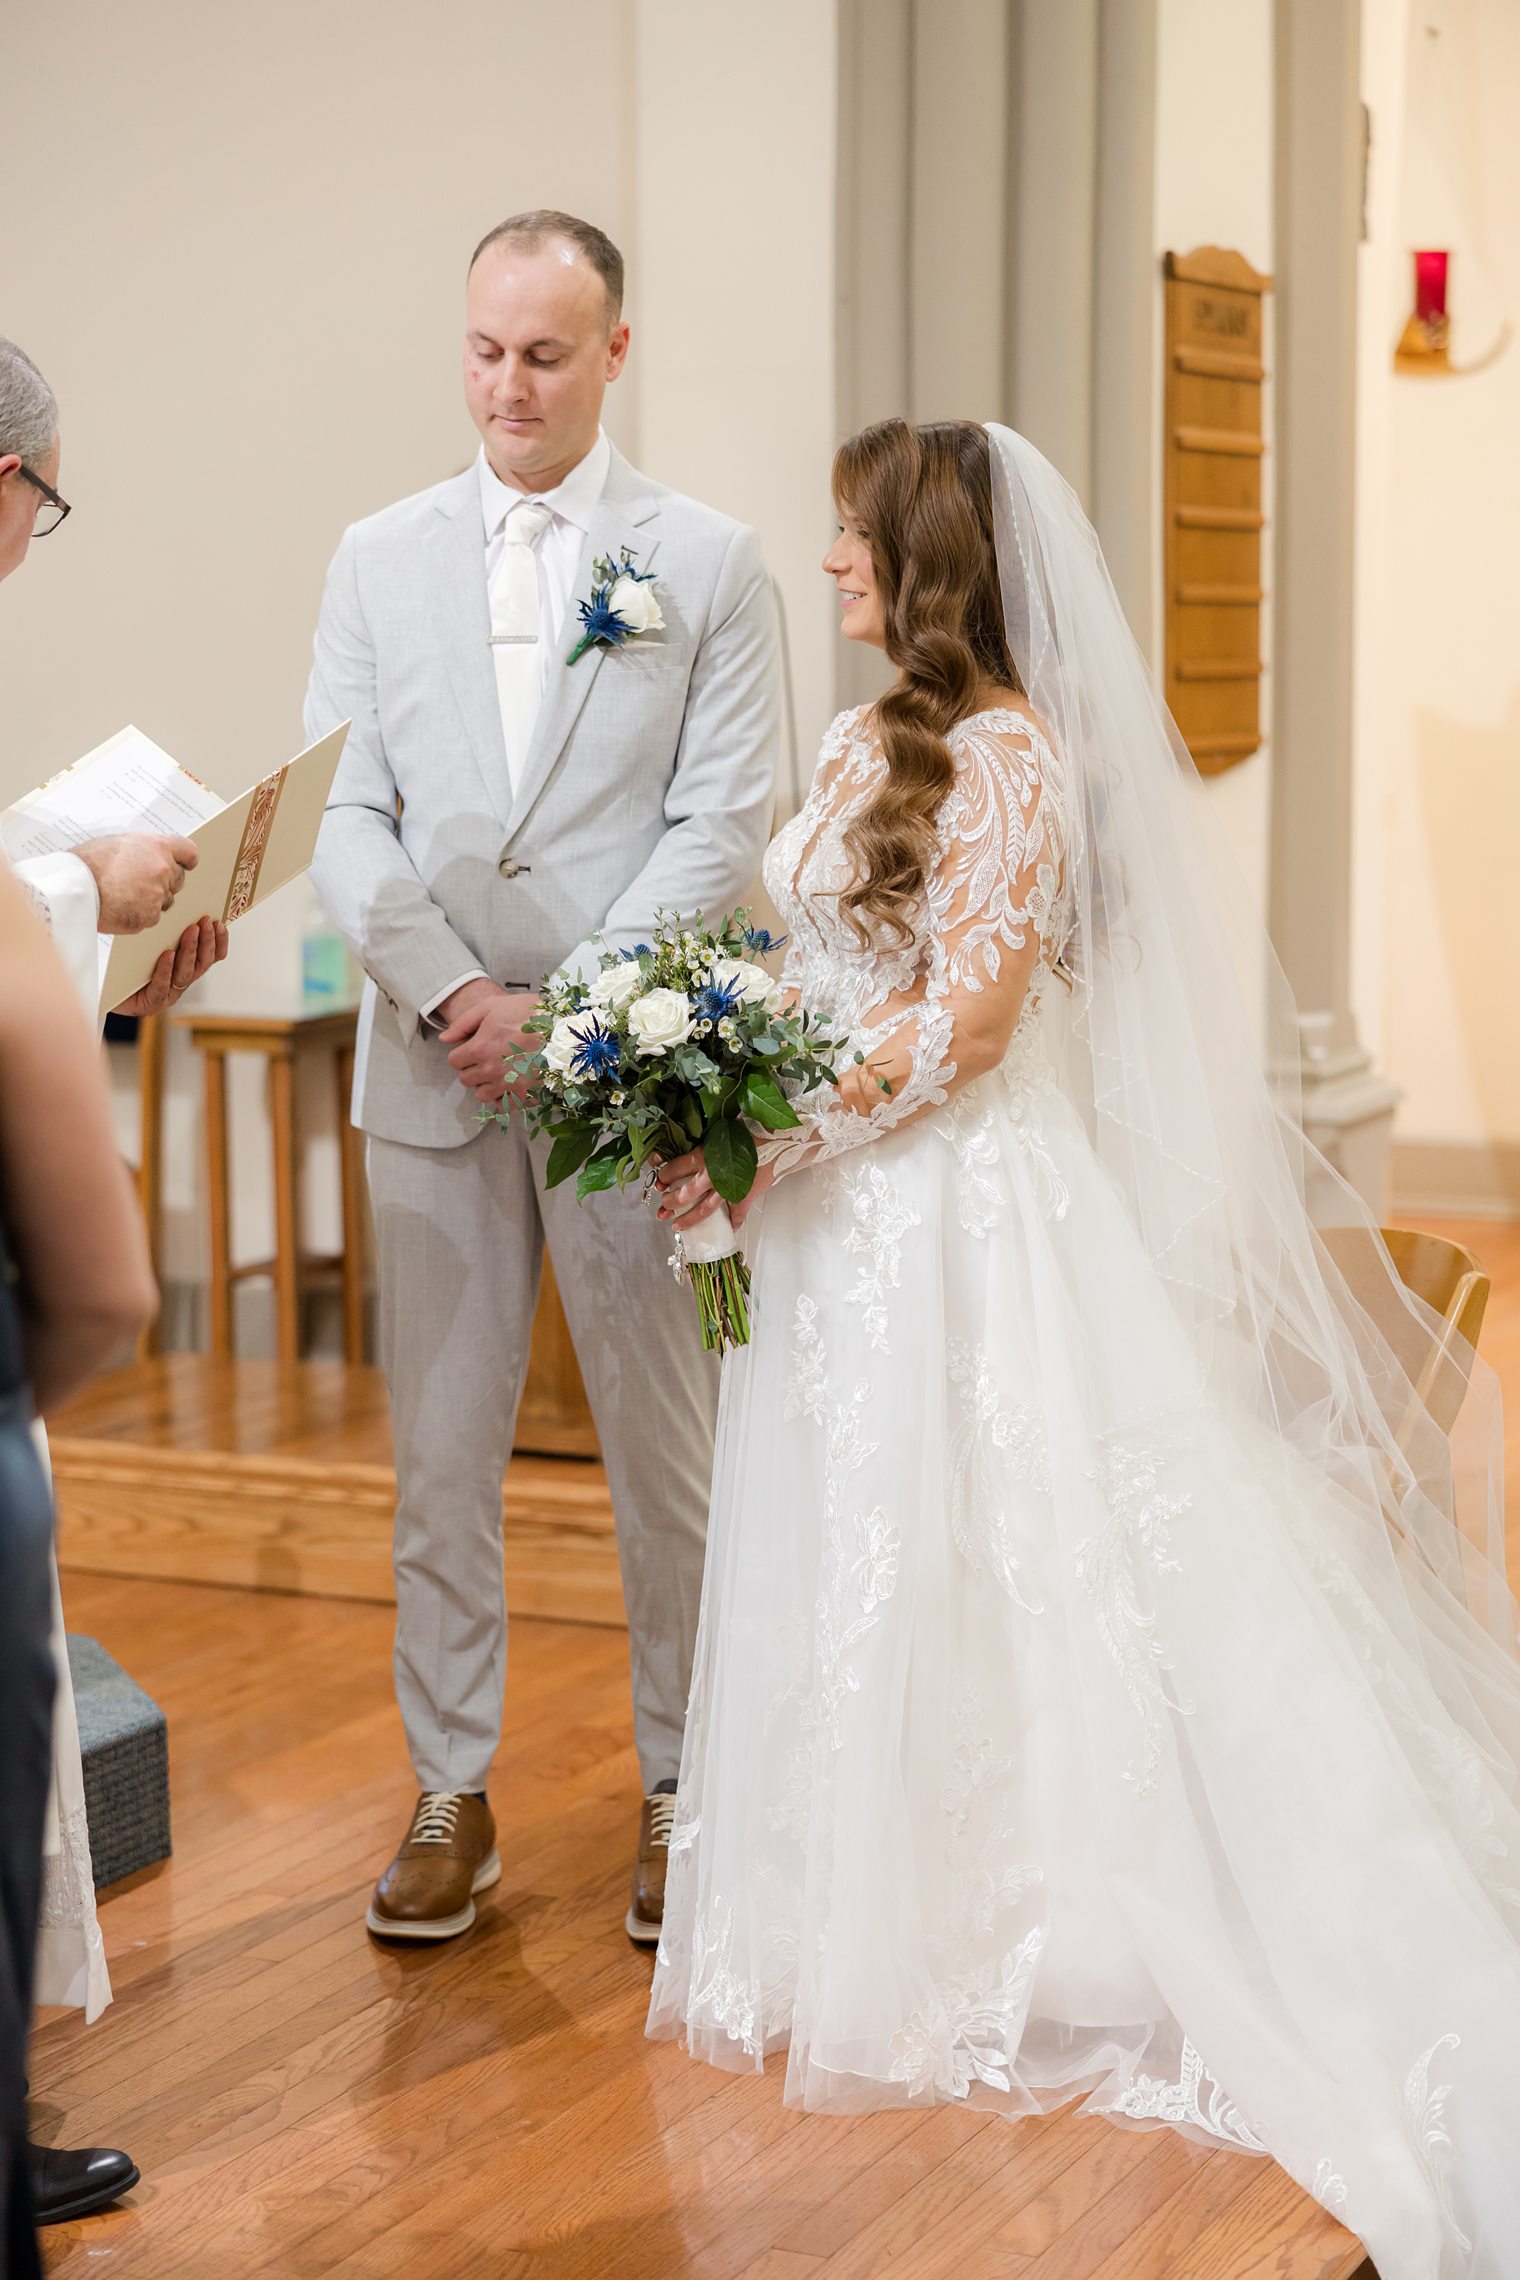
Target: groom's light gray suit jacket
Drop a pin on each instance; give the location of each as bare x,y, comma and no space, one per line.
649,781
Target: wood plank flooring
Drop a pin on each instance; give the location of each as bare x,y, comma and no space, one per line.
304,2103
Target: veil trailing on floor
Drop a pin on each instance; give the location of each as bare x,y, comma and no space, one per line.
1166,1048
1342,1387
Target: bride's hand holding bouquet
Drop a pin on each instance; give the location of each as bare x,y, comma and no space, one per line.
681,1046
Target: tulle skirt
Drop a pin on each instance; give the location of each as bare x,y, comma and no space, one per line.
1059,1730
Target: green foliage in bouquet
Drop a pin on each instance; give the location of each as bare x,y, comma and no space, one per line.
681,1043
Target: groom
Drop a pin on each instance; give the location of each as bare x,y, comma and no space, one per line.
497,809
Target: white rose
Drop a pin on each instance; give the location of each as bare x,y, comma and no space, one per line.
633,599
565,1040
660,1019
616,987
755,986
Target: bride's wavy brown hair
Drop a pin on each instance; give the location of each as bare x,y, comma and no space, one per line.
922,496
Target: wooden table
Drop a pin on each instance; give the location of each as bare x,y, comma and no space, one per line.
281,1038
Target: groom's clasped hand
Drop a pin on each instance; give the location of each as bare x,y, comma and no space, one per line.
483,1028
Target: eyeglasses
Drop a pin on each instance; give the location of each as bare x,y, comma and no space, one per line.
53,508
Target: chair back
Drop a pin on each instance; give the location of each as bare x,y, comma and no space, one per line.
1450,1282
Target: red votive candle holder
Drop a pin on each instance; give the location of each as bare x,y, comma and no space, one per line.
1430,286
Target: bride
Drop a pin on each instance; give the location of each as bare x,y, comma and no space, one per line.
1105,1687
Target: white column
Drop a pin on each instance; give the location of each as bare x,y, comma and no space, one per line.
1347,1107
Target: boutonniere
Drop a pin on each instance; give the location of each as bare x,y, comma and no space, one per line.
622,607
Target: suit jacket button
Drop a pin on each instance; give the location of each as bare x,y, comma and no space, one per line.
509,866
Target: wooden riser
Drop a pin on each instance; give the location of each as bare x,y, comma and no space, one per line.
194,1471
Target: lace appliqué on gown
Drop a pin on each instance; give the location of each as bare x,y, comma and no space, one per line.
978,1521
1195,2098
1111,1565
879,1220
970,2031
1425,2103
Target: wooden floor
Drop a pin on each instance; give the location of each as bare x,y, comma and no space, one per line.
304,2103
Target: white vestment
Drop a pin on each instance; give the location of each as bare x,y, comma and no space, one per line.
71,1955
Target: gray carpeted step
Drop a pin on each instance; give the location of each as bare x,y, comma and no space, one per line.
125,1740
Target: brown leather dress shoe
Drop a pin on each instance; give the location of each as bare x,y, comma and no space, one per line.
449,1854
646,1912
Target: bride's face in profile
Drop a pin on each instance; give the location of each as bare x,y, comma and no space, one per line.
848,563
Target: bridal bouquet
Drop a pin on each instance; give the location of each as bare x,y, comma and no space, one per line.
676,1045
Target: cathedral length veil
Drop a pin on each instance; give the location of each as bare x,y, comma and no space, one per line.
1362,1996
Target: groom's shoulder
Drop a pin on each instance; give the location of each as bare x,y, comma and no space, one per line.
404,518
684,513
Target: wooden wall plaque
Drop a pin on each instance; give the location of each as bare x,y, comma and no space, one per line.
1214,522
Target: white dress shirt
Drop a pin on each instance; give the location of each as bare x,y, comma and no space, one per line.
558,553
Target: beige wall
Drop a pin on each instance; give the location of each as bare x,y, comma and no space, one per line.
242,266
1439,812
735,140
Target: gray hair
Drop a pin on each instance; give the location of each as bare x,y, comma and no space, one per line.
28,407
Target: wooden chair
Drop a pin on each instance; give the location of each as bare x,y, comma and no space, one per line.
1448,1279
1453,1285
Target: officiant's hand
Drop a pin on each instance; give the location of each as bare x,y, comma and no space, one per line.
198,949
137,876
485,1024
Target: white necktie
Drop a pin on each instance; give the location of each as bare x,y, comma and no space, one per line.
515,632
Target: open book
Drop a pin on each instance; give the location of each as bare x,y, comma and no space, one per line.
248,847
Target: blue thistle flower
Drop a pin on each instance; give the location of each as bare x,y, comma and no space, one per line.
600,622
717,1002
761,941
598,1055
639,950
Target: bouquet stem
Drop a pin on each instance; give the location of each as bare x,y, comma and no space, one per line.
722,1293
712,1261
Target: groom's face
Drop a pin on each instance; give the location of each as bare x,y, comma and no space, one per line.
539,350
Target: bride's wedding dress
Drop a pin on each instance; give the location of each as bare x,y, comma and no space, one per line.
1086,1702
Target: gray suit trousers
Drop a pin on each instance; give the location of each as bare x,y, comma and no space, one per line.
460,1235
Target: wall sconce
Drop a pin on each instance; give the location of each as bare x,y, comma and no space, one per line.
1425,343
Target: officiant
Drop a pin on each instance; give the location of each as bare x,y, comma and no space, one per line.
117,885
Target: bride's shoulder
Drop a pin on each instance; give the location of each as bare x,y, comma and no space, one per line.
846,743
843,730
1009,733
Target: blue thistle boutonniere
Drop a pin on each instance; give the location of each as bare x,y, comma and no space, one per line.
622,607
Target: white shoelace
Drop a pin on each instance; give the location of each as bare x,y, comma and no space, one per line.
437,1816
662,1813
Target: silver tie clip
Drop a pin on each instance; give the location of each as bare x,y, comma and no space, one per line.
499,640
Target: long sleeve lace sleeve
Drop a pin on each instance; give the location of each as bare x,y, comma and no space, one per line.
990,918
